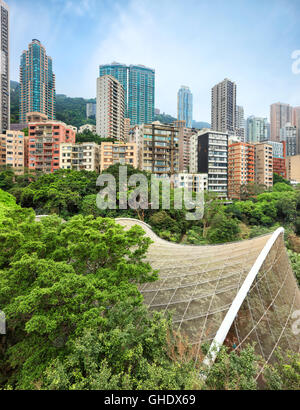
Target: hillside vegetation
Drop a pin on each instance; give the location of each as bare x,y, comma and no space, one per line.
75,318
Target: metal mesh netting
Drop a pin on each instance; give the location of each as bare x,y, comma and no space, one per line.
199,283
265,315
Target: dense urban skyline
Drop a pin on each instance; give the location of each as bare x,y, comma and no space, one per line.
253,49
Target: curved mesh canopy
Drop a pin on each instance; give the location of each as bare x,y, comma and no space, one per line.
198,284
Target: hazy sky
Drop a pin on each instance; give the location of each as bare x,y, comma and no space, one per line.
189,42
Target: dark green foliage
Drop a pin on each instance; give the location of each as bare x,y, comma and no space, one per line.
72,110
284,374
6,179
295,262
60,192
88,136
278,178
297,225
58,279
223,229
233,371
131,354
14,102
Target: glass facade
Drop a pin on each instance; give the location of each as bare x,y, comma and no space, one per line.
139,86
185,106
257,129
37,82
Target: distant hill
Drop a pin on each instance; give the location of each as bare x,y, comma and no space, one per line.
164,118
72,111
168,119
200,125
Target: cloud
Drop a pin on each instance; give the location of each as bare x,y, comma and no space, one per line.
78,7
187,42
141,34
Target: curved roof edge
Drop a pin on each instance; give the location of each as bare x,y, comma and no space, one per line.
149,230
238,300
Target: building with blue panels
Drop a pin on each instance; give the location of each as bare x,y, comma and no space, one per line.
138,82
185,106
37,82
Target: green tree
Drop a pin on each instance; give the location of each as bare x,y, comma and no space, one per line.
233,370
223,229
131,353
284,374
57,279
278,178
6,179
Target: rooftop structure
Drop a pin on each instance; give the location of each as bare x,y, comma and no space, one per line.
231,294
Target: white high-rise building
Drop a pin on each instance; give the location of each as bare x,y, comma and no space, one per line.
110,108
240,123
289,134
257,129
4,67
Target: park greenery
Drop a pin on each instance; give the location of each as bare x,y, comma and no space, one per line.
69,288
76,320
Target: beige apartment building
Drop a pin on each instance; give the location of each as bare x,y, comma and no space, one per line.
263,159
110,112
127,127
293,168
80,156
12,150
158,147
118,153
185,136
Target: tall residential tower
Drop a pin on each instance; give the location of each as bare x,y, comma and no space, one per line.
138,82
110,108
4,67
185,106
281,114
37,82
223,107
257,129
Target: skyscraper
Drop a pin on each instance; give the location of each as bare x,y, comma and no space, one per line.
296,123
281,114
185,106
240,123
223,107
110,108
90,110
288,134
263,164
257,129
209,155
4,66
138,82
37,82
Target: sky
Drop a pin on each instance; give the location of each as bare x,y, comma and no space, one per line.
196,43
